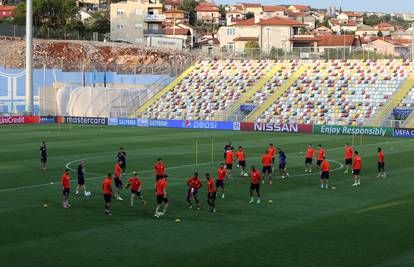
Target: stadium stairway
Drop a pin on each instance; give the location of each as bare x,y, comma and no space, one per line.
256,113
409,122
394,101
163,91
250,93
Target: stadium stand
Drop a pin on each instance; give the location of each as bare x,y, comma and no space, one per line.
209,89
339,92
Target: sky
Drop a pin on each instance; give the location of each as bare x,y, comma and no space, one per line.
389,6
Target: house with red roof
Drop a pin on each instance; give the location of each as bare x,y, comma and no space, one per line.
299,8
269,33
385,28
172,4
343,26
275,11
6,11
207,13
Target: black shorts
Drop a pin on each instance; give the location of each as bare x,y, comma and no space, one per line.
191,194
157,177
356,172
229,166
138,193
242,163
282,165
267,169
308,161
66,192
123,165
255,187
319,162
118,182
325,175
161,199
348,161
211,195
43,159
81,181
107,198
381,166
220,183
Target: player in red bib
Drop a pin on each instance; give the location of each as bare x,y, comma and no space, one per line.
321,155
272,152
161,194
66,188
255,185
309,157
356,169
221,175
381,164
267,167
241,157
160,169
349,151
194,184
325,168
212,192
118,181
135,183
107,193
229,162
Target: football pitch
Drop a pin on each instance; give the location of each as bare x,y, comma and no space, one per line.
297,224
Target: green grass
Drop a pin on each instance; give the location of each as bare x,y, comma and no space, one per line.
367,226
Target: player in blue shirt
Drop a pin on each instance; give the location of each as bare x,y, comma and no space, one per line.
282,164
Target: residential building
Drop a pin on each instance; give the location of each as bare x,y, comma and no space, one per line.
207,13
303,17
321,31
341,26
183,31
172,4
234,16
338,42
175,15
135,20
209,45
385,28
347,16
6,11
252,8
408,34
366,30
274,11
299,8
91,4
269,33
390,47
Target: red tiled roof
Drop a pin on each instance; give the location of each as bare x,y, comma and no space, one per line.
302,7
273,8
298,14
7,8
352,14
173,2
251,5
349,23
338,40
280,21
178,31
209,7
246,39
246,22
210,41
384,25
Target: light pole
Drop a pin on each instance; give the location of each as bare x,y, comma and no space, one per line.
29,54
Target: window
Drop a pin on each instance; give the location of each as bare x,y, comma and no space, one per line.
139,12
120,12
120,26
138,26
231,31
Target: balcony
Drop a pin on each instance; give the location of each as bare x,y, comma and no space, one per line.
154,18
154,32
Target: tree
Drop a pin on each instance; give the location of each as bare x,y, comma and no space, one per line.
249,15
380,34
99,22
188,6
222,11
250,45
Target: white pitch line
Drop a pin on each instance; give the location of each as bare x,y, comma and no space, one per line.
189,165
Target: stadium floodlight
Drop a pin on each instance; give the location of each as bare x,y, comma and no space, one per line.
29,54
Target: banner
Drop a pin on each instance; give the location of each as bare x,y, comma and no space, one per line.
47,119
403,132
86,120
275,127
352,130
127,122
401,112
247,107
12,120
113,121
189,124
